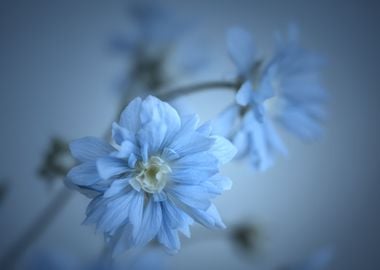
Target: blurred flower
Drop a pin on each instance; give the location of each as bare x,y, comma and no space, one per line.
320,260
57,161
246,122
302,98
154,25
153,31
160,177
285,89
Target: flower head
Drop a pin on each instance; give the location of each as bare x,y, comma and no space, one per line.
153,27
285,89
255,86
246,122
150,46
159,177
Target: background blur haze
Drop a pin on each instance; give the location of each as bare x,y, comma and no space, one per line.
59,78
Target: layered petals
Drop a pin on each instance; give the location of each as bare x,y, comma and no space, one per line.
161,177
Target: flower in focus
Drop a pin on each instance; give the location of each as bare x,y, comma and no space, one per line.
284,90
159,177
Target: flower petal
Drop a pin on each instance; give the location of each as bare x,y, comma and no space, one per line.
245,93
85,174
223,149
168,237
111,166
152,136
223,125
136,211
190,143
194,168
89,148
205,129
121,134
153,109
193,196
209,218
242,49
241,143
151,223
218,183
116,187
175,217
130,117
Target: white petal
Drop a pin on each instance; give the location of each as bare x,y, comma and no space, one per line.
244,95
223,149
130,117
153,109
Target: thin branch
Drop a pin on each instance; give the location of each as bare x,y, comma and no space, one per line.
185,90
36,229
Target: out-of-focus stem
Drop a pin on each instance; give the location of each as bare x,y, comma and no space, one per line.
180,91
36,229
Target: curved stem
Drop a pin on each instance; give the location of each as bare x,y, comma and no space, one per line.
185,90
36,229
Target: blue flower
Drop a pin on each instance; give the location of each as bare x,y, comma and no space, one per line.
152,27
253,138
256,85
297,82
246,122
151,48
158,178
285,90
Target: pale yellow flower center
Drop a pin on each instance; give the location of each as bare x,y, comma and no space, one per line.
153,175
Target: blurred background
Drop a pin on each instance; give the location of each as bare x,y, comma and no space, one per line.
63,72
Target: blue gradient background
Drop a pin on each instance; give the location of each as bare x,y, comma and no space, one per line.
57,77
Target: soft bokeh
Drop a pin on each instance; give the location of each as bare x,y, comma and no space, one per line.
58,77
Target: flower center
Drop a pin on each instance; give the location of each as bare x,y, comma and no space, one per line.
153,175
